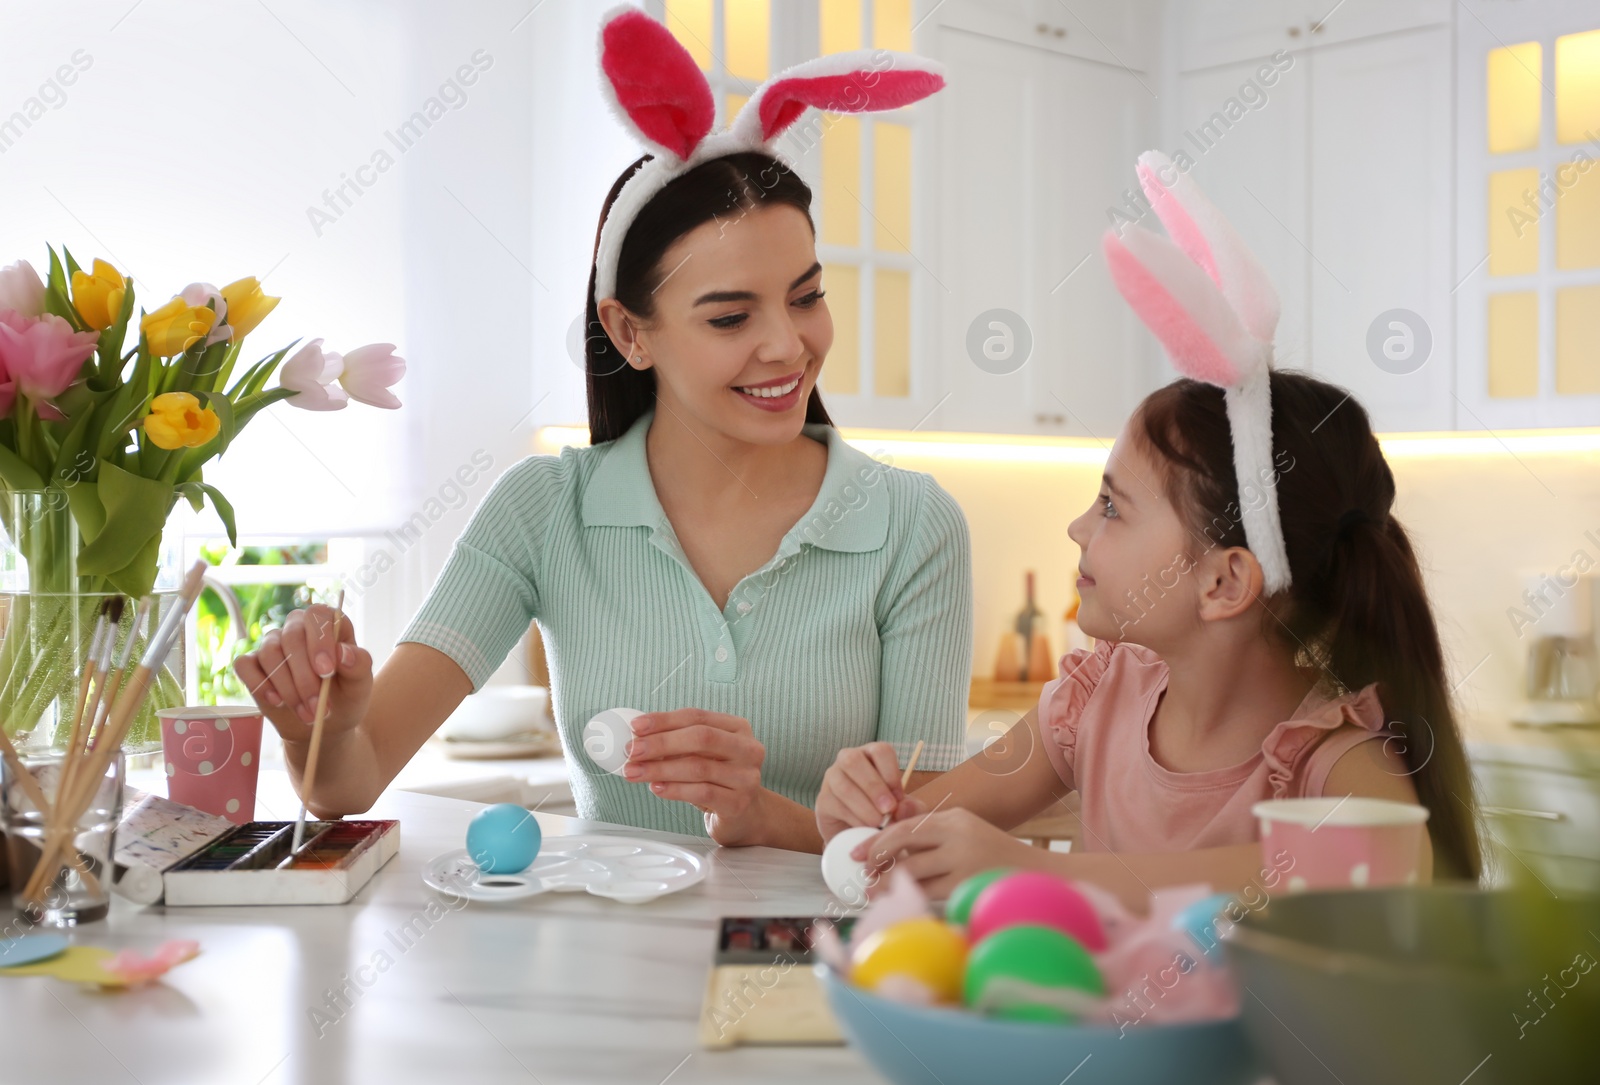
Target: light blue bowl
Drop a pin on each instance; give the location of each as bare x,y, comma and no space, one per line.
913,1045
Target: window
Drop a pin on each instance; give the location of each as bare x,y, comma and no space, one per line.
860,169
251,590
865,215
1542,187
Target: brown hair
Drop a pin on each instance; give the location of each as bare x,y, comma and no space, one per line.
619,393
1356,607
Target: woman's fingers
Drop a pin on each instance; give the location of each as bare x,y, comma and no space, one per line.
695,770
698,740
318,623
307,683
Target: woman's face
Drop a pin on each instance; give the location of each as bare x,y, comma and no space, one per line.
740,328
1135,581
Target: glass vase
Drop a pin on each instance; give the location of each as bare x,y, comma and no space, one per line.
48,614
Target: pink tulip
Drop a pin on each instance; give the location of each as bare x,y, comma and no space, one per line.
21,291
312,373
42,356
369,371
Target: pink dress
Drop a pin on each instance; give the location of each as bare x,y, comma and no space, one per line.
1095,723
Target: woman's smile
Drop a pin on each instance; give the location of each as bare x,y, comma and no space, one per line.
778,394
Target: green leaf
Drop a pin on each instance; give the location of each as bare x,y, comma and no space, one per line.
136,510
58,296
84,498
220,403
72,265
224,510
195,495
16,473
137,577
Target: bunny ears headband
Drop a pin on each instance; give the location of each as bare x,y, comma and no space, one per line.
1209,302
660,94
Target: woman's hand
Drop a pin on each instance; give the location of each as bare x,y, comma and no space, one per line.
941,849
860,788
284,675
708,759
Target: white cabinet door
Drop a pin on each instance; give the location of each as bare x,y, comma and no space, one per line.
1217,32
988,165
1253,167
1092,359
1380,232
1035,147
1121,33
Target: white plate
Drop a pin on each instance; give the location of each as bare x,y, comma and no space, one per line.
625,869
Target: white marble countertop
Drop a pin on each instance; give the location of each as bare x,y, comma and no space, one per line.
556,988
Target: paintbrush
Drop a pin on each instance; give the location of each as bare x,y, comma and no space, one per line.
905,779
310,778
69,807
95,666
108,696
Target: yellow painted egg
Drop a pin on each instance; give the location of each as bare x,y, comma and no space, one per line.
927,952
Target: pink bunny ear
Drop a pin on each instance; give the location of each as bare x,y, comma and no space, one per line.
864,81
657,88
1177,301
1211,241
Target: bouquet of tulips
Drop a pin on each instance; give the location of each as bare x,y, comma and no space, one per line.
100,437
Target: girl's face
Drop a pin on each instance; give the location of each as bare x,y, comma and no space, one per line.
1135,581
740,328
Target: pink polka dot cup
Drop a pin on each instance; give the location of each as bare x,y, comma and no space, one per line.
1342,843
212,755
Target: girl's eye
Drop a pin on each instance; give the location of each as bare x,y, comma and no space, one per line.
732,320
1110,509
810,300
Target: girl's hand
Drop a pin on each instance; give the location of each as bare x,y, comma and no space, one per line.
860,788
284,675
709,759
941,849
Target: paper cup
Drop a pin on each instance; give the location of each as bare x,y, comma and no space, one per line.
212,755
1334,843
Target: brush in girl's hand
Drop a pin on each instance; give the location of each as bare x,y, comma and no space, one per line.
905,780
310,778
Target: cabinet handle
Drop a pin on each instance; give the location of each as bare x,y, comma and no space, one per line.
1517,812
1050,419
1061,31
1294,31
1043,28
1316,28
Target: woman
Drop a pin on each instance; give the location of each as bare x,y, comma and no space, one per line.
718,557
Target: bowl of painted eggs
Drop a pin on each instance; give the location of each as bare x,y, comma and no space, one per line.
1030,978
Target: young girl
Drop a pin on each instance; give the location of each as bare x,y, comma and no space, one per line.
1263,630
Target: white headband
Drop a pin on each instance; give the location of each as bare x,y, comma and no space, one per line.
1210,303
662,96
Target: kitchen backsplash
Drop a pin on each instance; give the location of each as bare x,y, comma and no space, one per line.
1476,519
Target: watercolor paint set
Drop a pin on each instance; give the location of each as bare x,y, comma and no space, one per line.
256,863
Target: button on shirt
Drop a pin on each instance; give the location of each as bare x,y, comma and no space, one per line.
858,629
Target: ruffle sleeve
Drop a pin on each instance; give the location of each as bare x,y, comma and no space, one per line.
1062,700
1292,743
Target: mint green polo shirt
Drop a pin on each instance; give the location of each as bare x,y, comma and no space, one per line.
858,629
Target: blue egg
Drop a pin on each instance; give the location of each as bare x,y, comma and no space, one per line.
504,839
1203,922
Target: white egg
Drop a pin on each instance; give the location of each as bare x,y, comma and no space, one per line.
846,877
605,738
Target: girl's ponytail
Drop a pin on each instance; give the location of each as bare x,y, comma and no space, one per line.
1381,629
1356,607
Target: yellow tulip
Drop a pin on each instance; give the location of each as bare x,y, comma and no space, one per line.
98,297
176,326
176,420
247,306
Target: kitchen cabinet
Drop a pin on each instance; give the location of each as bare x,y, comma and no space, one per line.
1541,813
1337,174
1034,148
1218,32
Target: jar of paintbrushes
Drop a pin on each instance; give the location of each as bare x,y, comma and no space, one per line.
60,807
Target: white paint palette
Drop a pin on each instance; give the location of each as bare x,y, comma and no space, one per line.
624,869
